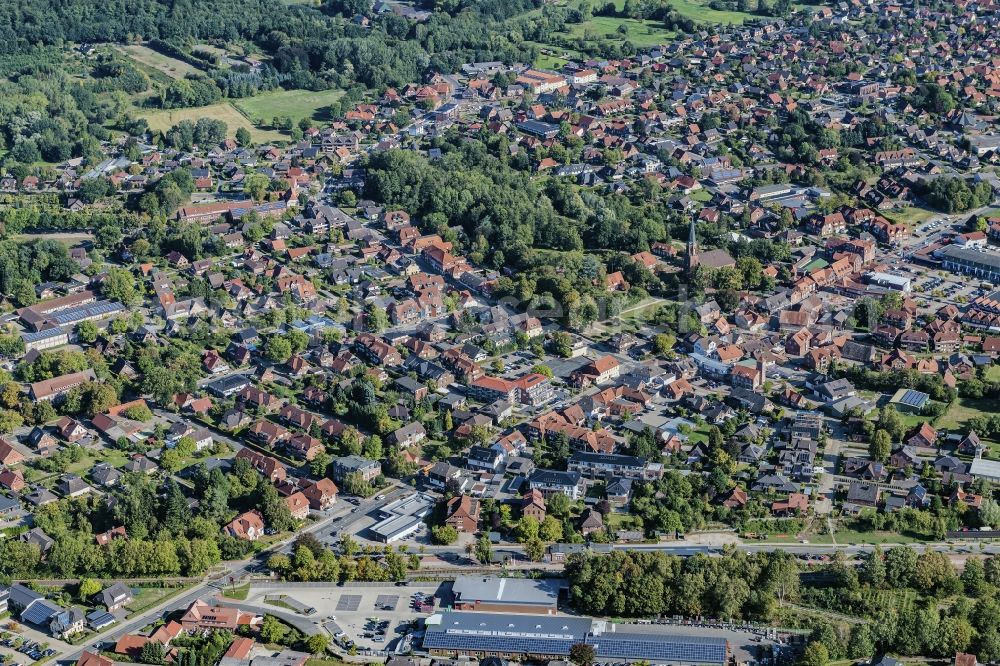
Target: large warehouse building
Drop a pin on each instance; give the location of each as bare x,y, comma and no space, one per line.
510,636
984,265
506,595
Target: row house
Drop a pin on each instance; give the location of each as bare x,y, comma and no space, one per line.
376,350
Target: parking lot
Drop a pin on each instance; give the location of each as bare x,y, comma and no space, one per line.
22,651
372,617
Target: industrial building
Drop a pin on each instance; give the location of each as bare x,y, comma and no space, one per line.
401,518
984,265
510,595
889,281
510,636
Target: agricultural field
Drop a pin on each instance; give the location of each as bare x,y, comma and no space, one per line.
175,69
163,119
296,104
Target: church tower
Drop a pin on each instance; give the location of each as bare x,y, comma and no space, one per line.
691,258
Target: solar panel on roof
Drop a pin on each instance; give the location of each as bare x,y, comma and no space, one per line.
913,398
38,613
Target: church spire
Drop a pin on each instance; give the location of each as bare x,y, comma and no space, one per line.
691,259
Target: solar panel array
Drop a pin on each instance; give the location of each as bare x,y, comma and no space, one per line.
33,336
548,636
686,650
39,612
386,602
349,602
912,398
504,644
98,309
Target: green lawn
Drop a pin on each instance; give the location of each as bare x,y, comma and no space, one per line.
239,592
963,409
697,10
548,61
993,373
151,596
911,216
849,536
296,104
643,34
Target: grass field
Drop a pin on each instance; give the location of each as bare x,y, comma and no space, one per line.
643,34
160,120
147,597
963,409
175,69
240,592
296,104
700,11
911,216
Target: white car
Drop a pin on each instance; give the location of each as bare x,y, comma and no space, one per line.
380,497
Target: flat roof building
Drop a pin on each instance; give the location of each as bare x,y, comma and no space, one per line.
984,265
985,469
889,281
401,518
511,595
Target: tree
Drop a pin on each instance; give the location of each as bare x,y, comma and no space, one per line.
890,421
534,549
278,349
900,564
484,550
153,652
551,529
88,588
872,571
663,344
119,283
376,318
562,344
87,331
256,185
317,643
543,370
989,513
444,535
881,446
815,654
974,576
582,654
527,529
861,644
558,505
272,630
243,137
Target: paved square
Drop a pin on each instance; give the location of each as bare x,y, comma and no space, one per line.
349,602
